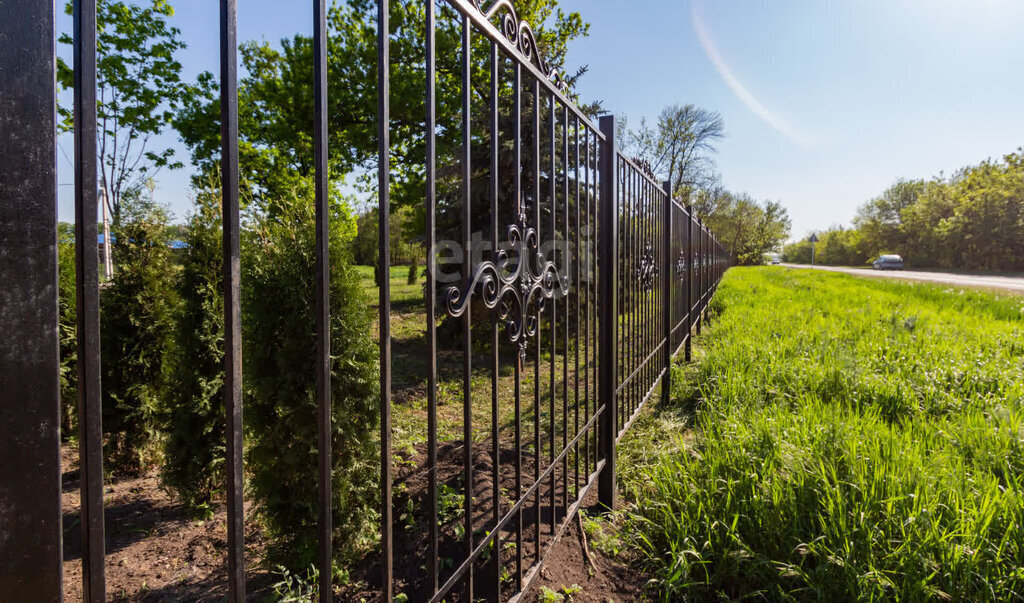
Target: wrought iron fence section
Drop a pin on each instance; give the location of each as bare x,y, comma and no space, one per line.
594,278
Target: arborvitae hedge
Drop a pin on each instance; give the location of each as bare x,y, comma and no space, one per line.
67,330
194,451
279,355
137,323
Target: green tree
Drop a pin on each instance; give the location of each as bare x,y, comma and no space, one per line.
880,220
841,247
139,89
280,368
987,227
276,97
194,451
973,219
747,228
679,147
403,225
798,252
138,310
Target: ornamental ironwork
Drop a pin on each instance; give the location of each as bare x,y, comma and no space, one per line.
645,167
647,270
513,291
521,35
681,265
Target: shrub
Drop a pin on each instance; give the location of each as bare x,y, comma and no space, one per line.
280,367
194,451
414,272
67,328
137,325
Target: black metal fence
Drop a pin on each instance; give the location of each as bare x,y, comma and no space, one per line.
589,279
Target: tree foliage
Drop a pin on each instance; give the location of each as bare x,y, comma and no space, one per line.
405,247
67,328
971,220
276,112
194,451
139,89
679,147
279,260
747,228
138,311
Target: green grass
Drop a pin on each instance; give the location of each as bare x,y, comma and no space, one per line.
838,438
409,373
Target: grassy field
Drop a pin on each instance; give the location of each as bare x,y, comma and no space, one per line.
838,438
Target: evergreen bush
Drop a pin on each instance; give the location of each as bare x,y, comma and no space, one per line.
137,313
279,261
67,330
194,449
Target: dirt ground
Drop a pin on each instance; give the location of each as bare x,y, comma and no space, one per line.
585,572
157,552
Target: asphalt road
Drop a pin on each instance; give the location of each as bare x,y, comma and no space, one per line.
1008,283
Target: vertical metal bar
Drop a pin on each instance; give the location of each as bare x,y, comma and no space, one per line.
88,303
467,318
625,281
495,360
593,157
554,309
666,302
644,295
689,284
232,297
638,186
517,100
591,273
537,448
431,292
565,260
655,203
384,305
704,270
576,282
30,470
645,298
628,200
703,275
323,292
634,291
607,300
636,329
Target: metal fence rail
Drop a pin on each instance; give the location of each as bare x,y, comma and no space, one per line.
589,280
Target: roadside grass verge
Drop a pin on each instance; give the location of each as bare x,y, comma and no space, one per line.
838,439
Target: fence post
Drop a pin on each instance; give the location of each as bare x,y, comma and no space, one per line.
30,475
608,311
687,354
666,310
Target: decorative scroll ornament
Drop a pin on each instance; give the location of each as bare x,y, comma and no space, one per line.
681,265
645,167
647,271
520,34
513,289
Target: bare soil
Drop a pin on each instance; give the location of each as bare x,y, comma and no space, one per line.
157,552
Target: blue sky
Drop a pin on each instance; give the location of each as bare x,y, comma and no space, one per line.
825,103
